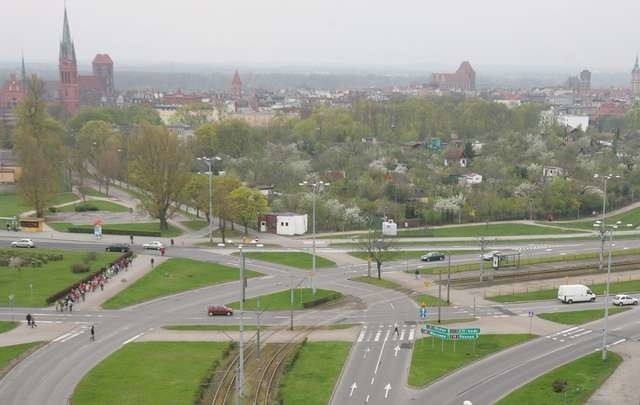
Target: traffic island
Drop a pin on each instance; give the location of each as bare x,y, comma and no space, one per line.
301,298
298,260
579,317
571,384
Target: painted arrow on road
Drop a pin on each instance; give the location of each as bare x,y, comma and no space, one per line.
387,389
354,386
367,350
395,351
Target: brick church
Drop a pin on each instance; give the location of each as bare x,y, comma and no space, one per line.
71,90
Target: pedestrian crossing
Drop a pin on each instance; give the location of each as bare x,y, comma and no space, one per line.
380,333
70,335
568,334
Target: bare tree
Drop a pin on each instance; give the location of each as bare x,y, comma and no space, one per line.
376,247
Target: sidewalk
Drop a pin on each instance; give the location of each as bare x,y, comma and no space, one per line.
45,331
621,388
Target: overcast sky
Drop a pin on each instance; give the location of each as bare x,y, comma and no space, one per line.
600,35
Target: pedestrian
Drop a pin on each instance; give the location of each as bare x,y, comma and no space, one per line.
28,319
162,251
101,286
93,334
33,321
395,329
70,306
131,239
152,261
417,274
172,242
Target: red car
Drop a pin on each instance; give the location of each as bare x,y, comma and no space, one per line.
220,310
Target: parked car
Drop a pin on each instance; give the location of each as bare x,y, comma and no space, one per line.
118,247
575,293
219,310
489,255
622,299
432,256
23,243
155,245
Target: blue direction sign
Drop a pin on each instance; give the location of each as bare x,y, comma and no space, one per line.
423,312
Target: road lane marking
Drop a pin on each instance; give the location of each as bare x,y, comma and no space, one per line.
132,339
402,334
412,334
586,332
372,380
392,306
361,336
381,351
377,337
367,399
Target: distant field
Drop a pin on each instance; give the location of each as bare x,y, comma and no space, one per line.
299,260
506,229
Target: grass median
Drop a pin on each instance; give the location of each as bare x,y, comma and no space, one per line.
6,326
101,205
173,276
10,354
151,373
429,362
550,294
31,286
428,300
575,382
303,298
579,317
122,229
504,229
314,373
300,260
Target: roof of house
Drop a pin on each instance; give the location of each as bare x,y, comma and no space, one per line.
103,59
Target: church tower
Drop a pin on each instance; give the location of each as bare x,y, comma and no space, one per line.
236,86
69,91
635,79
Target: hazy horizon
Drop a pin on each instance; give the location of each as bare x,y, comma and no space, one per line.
361,35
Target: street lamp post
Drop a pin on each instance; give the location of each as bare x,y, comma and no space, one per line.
315,187
605,178
209,161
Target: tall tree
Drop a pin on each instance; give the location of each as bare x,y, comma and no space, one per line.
247,205
160,167
223,186
39,149
102,143
374,244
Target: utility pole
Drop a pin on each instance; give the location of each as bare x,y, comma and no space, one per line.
439,293
482,246
606,299
241,361
448,278
258,315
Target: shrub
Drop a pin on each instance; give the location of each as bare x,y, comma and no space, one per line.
90,257
53,210
85,207
559,385
321,300
80,268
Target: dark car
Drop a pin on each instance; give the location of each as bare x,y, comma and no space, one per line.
219,310
117,247
432,256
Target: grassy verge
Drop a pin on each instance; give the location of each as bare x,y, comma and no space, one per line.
122,228
302,298
379,282
231,328
173,276
579,317
315,371
629,217
582,377
49,278
11,206
429,300
6,326
92,192
429,363
615,288
100,204
10,353
506,229
195,224
150,373
300,260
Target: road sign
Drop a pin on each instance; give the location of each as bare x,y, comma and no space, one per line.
530,314
423,312
466,330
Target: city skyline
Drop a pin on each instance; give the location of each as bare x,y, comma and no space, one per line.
279,33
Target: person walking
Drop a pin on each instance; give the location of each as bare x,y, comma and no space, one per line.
395,329
28,319
131,239
92,337
162,251
70,306
172,242
417,274
33,321
152,261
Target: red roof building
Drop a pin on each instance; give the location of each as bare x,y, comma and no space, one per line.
236,86
12,92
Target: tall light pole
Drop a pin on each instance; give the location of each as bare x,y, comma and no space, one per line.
606,292
209,161
315,187
604,178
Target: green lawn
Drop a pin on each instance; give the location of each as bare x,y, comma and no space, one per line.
378,283
92,192
629,217
9,353
195,224
583,377
314,373
173,276
11,206
150,373
100,204
429,363
46,280
579,317
300,260
506,229
281,300
232,328
615,288
430,300
6,326
127,228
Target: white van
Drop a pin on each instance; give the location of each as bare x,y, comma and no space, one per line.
575,293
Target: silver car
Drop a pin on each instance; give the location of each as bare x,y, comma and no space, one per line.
622,299
23,243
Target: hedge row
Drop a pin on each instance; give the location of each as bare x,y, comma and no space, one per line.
107,231
321,300
63,293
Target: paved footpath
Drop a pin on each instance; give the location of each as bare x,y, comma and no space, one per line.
622,386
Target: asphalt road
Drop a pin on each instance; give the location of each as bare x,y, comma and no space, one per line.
376,367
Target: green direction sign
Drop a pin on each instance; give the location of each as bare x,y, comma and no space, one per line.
466,330
452,334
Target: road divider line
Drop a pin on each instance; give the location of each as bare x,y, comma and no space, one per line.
132,339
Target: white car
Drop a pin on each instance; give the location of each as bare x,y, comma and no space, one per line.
155,245
23,243
489,255
621,300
